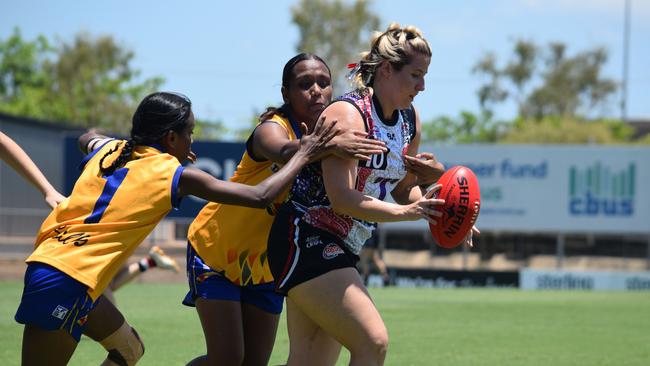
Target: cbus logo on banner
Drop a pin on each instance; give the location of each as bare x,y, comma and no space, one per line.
598,190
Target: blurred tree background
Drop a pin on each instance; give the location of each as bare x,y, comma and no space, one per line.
87,82
561,97
338,31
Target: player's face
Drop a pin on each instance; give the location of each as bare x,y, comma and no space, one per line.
310,90
409,81
182,145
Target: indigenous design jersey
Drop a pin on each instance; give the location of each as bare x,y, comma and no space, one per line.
91,234
375,178
233,239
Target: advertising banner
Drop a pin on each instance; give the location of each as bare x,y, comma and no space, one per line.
596,189
556,188
530,279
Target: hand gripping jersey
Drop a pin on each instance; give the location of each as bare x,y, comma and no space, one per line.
233,239
91,234
375,178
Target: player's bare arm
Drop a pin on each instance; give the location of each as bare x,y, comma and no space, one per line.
339,176
197,183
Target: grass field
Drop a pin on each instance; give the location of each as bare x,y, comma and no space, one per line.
426,327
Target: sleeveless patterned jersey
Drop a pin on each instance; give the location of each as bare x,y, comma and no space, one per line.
375,178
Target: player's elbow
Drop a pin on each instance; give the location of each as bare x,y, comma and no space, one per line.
263,198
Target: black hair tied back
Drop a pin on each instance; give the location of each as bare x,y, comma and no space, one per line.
157,114
125,156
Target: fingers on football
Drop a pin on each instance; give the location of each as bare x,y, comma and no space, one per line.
476,231
435,213
431,192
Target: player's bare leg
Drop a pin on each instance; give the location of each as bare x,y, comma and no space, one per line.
46,347
107,325
260,328
308,342
224,336
339,303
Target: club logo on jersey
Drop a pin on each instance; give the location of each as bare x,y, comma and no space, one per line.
331,251
60,312
377,161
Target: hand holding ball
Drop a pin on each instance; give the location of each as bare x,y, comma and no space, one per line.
462,196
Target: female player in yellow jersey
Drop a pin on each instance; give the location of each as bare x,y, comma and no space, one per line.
125,189
228,272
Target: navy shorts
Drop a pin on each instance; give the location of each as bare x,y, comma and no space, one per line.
211,284
53,300
299,252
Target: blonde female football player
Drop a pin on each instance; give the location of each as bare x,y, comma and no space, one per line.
125,189
229,277
316,237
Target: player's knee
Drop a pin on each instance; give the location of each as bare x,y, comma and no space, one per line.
379,343
374,347
124,346
231,356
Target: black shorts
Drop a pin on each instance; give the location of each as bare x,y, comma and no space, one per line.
299,252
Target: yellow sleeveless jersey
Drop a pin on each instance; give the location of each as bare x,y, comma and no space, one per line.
91,234
232,239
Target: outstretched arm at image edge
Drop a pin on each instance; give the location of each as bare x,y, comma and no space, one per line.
16,157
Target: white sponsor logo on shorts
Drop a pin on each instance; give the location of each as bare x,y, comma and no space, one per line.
312,241
59,312
331,250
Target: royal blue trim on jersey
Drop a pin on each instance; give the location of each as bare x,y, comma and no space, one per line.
176,199
113,182
91,154
295,126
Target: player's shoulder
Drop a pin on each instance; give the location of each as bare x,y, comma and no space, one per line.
274,122
346,112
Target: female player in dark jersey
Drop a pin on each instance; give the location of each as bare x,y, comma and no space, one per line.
316,237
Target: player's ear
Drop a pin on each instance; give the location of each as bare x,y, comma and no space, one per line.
169,140
385,69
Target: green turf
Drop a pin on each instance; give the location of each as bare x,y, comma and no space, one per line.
426,327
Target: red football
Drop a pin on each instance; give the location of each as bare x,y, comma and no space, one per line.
462,197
